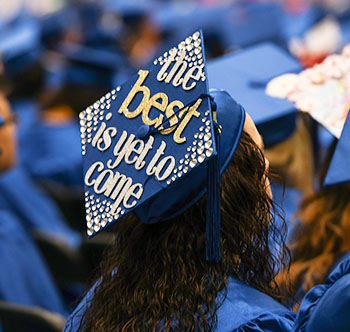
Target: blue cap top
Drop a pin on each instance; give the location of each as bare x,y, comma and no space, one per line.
241,24
244,75
20,44
146,139
87,65
338,170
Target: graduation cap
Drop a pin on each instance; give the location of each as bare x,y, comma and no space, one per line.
244,74
152,145
129,8
338,171
20,45
88,65
241,24
323,91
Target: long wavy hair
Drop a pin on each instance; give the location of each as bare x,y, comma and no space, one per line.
322,235
156,278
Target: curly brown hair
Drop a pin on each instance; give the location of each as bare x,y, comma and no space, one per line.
321,237
156,278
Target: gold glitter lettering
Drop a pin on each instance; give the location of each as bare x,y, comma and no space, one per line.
138,87
181,127
154,103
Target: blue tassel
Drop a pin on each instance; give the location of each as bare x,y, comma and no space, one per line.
212,235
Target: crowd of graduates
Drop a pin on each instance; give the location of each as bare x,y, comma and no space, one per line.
59,57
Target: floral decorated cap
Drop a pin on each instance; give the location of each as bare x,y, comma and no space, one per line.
323,91
157,142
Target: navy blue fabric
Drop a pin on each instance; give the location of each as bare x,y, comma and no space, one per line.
338,170
244,76
326,307
244,309
27,111
20,44
53,152
297,24
24,277
241,24
35,210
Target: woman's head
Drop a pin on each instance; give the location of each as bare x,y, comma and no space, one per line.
157,274
323,232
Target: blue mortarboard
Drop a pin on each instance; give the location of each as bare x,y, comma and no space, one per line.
1,120
87,65
339,170
130,7
244,75
297,24
20,45
241,24
150,145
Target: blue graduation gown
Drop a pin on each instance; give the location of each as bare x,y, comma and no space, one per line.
53,152
326,307
24,277
244,309
20,195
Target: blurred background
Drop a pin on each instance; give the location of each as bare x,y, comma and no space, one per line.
57,58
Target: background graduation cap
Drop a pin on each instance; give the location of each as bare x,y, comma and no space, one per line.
244,75
143,141
91,66
241,24
20,44
339,170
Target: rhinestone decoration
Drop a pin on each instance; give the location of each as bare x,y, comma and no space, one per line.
92,116
201,158
100,217
193,52
193,163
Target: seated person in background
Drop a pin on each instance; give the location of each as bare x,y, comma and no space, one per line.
322,240
24,277
20,195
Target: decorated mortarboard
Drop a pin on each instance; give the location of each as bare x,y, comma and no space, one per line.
244,74
150,145
323,91
339,170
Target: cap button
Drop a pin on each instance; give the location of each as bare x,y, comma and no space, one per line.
143,132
